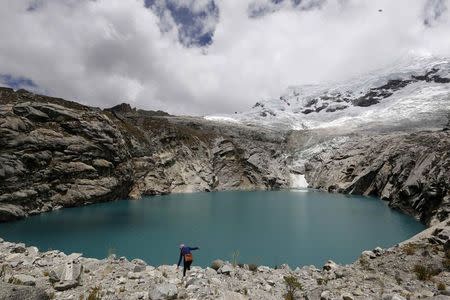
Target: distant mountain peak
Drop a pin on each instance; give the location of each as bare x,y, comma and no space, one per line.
414,91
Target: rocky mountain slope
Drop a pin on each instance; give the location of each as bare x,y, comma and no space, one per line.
384,133
409,170
414,93
56,153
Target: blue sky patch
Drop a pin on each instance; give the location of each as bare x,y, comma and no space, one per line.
191,25
17,82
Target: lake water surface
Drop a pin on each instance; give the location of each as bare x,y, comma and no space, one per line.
265,228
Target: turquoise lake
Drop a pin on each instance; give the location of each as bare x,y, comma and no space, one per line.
265,228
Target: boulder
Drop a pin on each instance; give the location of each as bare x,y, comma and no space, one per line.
19,248
139,265
378,251
102,164
9,212
217,264
330,265
65,285
226,269
347,296
16,292
134,275
23,279
56,112
369,254
392,297
163,291
67,275
325,295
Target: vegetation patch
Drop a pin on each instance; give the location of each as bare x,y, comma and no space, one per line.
409,249
446,264
292,285
94,294
424,273
253,267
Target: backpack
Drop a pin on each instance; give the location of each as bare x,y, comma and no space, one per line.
188,257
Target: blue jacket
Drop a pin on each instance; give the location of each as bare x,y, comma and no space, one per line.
183,251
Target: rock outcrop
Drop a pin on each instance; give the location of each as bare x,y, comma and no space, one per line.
56,153
415,269
409,170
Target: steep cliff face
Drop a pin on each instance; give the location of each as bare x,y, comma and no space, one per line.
56,153
409,170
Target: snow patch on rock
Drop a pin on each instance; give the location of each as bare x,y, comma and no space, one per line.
298,181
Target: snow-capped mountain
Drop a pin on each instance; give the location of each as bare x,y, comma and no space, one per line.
413,92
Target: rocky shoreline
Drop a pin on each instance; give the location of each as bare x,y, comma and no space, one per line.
415,269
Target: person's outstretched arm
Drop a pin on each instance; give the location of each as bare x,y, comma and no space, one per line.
194,248
179,260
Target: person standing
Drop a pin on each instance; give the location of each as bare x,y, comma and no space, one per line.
186,255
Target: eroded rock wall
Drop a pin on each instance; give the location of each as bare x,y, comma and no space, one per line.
410,170
56,153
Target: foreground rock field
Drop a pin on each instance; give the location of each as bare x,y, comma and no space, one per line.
415,269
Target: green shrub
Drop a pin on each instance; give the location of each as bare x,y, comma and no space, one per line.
94,294
216,264
425,273
441,286
235,258
292,286
446,263
409,249
14,280
253,267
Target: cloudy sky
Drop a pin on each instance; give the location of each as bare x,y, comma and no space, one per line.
206,56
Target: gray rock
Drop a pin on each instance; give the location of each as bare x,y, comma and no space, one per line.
23,279
392,297
16,292
368,254
19,248
325,295
163,291
378,251
347,296
226,269
229,295
134,275
65,285
67,271
139,265
9,212
330,265
25,110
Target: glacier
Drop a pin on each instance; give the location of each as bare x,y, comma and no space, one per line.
413,92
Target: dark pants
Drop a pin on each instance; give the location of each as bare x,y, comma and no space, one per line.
186,266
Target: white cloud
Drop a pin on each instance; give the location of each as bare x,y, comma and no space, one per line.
107,51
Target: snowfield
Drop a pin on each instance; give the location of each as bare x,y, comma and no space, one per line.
415,92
